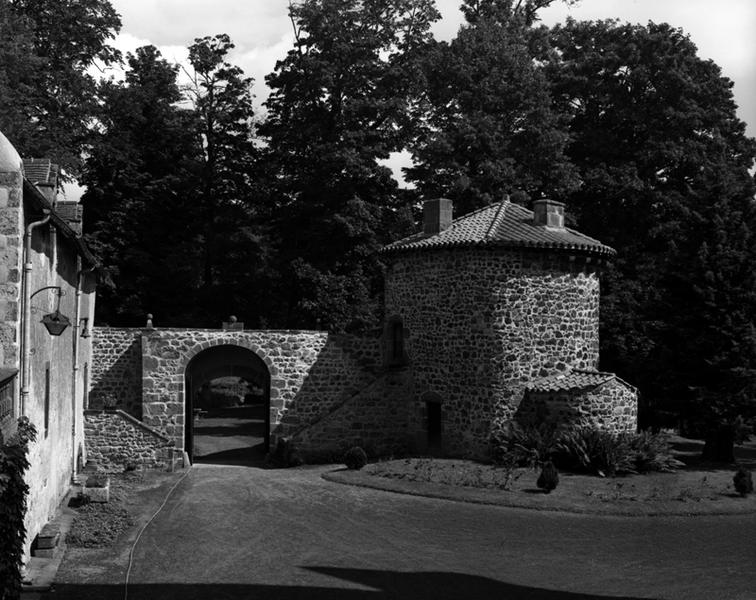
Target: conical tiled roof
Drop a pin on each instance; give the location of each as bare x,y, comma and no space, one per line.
502,224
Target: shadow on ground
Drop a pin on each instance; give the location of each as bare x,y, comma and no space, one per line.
689,451
381,584
253,456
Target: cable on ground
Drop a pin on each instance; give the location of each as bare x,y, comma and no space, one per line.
141,531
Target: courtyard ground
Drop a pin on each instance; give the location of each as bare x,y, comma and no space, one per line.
236,532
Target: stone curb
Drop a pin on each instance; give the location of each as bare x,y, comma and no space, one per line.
499,498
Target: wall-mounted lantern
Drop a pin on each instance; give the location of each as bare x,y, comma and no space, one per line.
55,322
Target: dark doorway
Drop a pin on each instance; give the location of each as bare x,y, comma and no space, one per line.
227,406
433,410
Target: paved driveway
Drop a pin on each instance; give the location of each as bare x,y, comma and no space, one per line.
240,532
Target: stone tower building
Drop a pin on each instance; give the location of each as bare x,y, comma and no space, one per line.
490,310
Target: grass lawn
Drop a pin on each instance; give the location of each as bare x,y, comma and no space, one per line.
697,488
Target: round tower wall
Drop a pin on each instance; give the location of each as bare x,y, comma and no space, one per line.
479,323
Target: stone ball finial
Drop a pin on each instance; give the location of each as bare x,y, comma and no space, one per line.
149,320
232,319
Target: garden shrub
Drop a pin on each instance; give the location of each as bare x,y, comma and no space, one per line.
585,449
549,477
743,481
13,500
355,458
529,445
594,450
652,452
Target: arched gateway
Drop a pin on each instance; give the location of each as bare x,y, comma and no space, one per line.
227,400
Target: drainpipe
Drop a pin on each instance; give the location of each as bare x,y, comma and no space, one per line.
25,321
76,336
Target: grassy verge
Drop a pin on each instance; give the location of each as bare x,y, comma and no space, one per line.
696,488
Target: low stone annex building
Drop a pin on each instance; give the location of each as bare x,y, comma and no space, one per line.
490,317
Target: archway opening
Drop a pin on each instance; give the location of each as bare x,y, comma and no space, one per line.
227,406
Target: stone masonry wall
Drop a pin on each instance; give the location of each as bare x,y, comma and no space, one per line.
116,440
330,383
375,418
311,372
116,372
481,322
612,406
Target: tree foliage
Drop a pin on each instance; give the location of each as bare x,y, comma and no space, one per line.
168,180
231,244
664,164
48,95
14,490
195,216
140,180
489,127
340,102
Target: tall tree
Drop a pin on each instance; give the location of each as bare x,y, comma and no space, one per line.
490,127
664,165
51,116
340,101
229,234
170,179
141,179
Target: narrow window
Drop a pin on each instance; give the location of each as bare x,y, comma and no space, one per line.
85,401
47,398
397,342
394,343
433,410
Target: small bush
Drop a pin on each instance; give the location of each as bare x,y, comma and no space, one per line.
743,482
549,477
355,458
284,455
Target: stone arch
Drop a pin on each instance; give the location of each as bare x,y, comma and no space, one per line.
224,356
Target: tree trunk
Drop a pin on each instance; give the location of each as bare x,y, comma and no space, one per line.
720,444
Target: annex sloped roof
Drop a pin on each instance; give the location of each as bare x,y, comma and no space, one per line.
501,224
40,170
572,380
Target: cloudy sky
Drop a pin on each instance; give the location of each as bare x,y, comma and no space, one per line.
722,30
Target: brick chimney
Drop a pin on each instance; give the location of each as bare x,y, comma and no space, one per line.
437,215
549,213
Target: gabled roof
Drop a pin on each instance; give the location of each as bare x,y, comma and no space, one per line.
37,198
575,379
502,224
